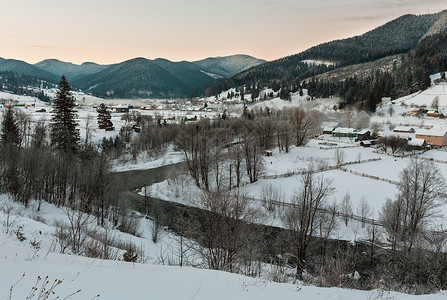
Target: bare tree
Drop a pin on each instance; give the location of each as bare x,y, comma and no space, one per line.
327,223
339,156
301,125
363,209
408,217
252,155
301,219
40,133
271,195
284,135
391,110
362,120
420,188
348,115
435,103
76,229
346,207
224,228
89,127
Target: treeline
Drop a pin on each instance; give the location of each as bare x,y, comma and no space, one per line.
395,37
407,76
154,137
366,92
276,75
31,168
220,153
18,84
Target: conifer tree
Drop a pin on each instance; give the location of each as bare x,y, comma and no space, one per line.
104,118
10,133
64,131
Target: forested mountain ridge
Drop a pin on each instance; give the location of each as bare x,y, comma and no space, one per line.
407,49
22,68
227,66
391,77
136,78
70,70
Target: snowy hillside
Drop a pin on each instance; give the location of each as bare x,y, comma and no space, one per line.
23,262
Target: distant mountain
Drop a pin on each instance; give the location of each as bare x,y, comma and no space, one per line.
142,78
185,71
139,77
71,71
225,67
22,68
161,78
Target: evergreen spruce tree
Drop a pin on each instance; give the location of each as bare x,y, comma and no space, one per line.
64,134
10,133
104,118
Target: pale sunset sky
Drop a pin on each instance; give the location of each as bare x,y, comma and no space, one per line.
111,31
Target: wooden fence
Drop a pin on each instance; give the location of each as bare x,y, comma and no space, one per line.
282,204
323,169
369,176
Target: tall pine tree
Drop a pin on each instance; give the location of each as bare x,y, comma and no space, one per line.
10,133
64,131
104,118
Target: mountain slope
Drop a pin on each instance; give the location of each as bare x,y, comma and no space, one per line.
395,37
137,77
22,68
161,77
185,71
225,67
71,71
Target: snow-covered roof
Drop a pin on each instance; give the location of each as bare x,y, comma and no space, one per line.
344,130
403,129
328,129
365,142
433,131
416,142
364,131
121,106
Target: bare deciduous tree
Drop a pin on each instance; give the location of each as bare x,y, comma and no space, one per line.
339,156
271,195
301,219
407,218
346,207
302,125
224,228
435,103
363,209
89,127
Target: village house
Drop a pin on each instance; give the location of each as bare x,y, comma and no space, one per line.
404,129
365,143
328,130
417,144
122,108
432,113
364,134
433,136
344,132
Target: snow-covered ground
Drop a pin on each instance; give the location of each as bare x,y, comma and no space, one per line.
87,278
120,280
145,162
